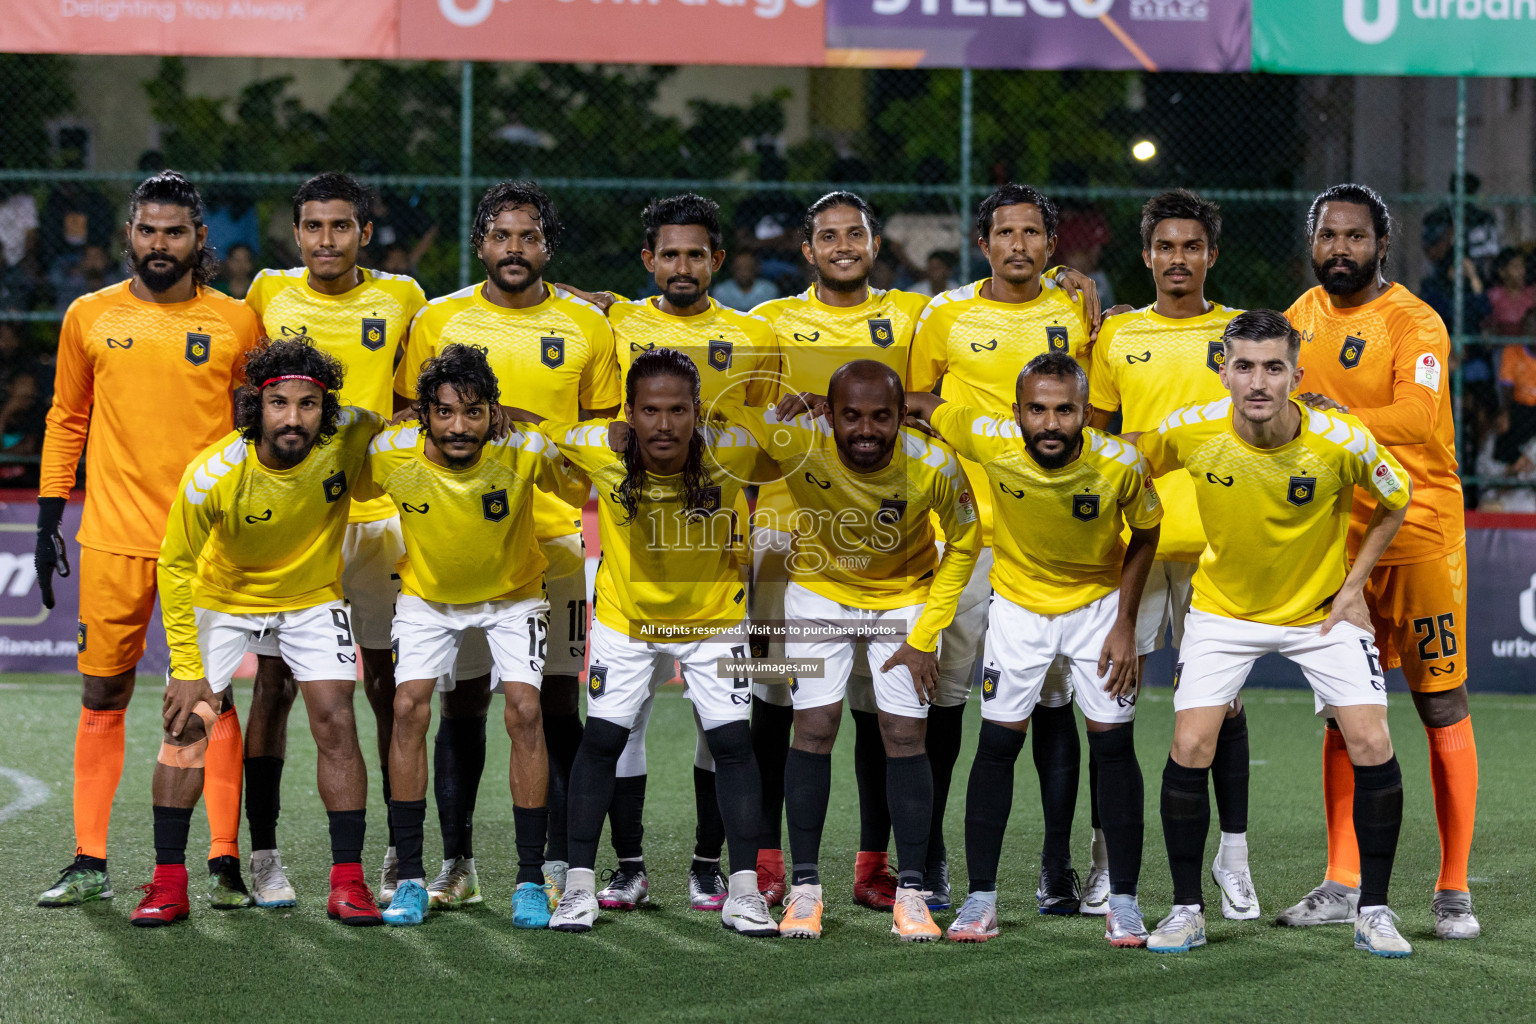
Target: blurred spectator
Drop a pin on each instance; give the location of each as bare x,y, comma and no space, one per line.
744,289
886,271
237,272
1439,291
395,223
18,227
76,274
74,216
397,260
939,274
1439,232
231,220
771,225
1522,470
1517,386
1512,297
1081,237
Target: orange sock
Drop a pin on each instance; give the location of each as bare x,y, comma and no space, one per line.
223,774
1339,808
1453,772
98,769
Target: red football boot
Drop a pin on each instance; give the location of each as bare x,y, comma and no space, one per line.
165,898
351,900
874,885
770,876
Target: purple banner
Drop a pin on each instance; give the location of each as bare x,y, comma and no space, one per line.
1155,35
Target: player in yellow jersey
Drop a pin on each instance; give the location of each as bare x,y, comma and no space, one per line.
147,368
557,352
668,589
1377,351
463,495
253,550
360,317
1064,585
1273,480
1147,363
971,342
839,318
866,567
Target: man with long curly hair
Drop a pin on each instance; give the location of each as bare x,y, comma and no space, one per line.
252,550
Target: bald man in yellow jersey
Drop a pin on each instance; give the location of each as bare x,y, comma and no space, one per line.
1147,363
360,317
553,354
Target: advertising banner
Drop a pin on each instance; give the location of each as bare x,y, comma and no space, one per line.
603,31
203,28
1501,636
1166,35
1395,37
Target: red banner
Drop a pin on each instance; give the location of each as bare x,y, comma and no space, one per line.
203,28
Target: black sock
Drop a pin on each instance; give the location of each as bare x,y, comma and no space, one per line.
458,763
347,829
1121,799
807,788
771,726
90,863
171,827
591,788
1058,757
909,791
1186,822
530,825
1093,789
409,818
943,743
869,773
263,799
1378,819
1229,773
739,790
389,822
626,817
988,802
562,738
709,833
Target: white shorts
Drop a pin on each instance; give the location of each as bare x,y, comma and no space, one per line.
894,691
315,642
565,585
965,637
1342,668
621,673
1023,645
427,636
1164,603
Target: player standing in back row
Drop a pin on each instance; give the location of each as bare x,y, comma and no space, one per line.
1378,353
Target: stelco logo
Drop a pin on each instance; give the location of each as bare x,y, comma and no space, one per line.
1380,28
469,13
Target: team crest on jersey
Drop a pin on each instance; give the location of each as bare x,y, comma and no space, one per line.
882,333
80,637
891,510
373,333
1301,489
494,505
1085,507
335,487
720,354
597,680
1350,352
552,352
1216,356
1056,339
199,347
709,501
990,678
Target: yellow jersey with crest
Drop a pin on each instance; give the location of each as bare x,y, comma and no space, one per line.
554,359
977,346
815,339
1276,519
242,538
469,533
1145,366
365,328
667,574
866,540
735,352
1057,541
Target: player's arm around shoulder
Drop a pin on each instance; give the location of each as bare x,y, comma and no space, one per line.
1103,375
539,456
928,356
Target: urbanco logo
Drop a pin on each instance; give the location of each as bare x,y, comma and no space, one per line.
1365,30
478,11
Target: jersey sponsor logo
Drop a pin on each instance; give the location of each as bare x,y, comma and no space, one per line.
597,680
1009,490
881,332
891,510
1301,489
635,346
1145,357
114,343
408,507
302,332
720,354
335,486
965,507
494,505
552,352
823,484
1426,370
990,346
265,517
1225,481
199,347
374,330
1056,339
1215,356
1386,480
807,339
1351,351
990,678
1085,507
80,637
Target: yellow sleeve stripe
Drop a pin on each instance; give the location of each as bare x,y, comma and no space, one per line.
207,475
1192,414
728,437
394,440
805,421
1113,448
588,437
992,426
1355,440
945,298
929,454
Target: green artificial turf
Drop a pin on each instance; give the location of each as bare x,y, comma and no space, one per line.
670,963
